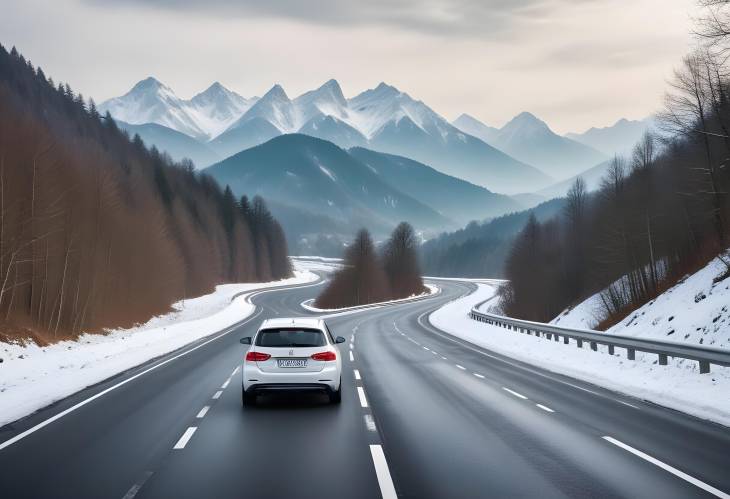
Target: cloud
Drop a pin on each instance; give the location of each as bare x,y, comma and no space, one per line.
481,18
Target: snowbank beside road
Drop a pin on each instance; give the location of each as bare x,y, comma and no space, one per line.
695,310
432,290
32,377
677,385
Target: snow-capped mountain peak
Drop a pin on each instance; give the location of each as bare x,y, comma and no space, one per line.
526,123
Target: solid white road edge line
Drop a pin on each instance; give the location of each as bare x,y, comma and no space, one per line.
352,358
387,490
71,409
514,393
203,412
357,373
217,394
674,471
544,408
361,395
185,438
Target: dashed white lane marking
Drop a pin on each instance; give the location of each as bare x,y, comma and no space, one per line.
434,352
137,486
203,412
217,394
427,349
234,371
225,385
352,358
352,346
357,374
519,395
361,395
185,438
478,375
352,337
370,423
544,408
674,471
387,490
444,357
460,367
61,414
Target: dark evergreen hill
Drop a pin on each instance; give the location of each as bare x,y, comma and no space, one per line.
317,176
456,199
480,249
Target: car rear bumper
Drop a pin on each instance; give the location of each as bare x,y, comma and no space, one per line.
255,380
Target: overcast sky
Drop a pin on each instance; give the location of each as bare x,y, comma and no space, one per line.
574,63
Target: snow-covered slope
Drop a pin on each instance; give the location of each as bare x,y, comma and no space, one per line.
696,310
204,116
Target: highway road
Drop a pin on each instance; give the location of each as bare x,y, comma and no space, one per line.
423,415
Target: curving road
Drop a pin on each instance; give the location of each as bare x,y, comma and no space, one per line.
423,415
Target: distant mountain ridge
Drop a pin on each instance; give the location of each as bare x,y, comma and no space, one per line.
617,139
382,118
529,139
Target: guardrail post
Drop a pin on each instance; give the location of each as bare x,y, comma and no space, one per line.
549,336
631,354
566,340
662,359
594,347
610,349
704,367
556,338
579,342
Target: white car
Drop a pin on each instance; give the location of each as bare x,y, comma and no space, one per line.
296,354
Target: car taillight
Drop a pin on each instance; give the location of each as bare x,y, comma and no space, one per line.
257,357
324,356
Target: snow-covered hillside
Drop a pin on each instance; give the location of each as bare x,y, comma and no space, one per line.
696,310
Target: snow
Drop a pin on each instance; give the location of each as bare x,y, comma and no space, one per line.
678,385
205,116
32,377
695,310
432,290
325,170
217,109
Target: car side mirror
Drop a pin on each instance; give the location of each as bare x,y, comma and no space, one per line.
246,340
340,339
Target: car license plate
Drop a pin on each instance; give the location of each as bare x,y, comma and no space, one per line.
292,362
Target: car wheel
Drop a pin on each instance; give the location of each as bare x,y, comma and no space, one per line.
336,397
247,399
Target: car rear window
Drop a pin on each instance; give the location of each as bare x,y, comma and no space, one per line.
290,337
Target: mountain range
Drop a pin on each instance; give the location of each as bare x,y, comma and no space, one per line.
383,118
360,187
529,139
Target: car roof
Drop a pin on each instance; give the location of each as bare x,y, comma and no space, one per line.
309,322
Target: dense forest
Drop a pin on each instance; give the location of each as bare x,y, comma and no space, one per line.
480,249
369,276
97,230
659,215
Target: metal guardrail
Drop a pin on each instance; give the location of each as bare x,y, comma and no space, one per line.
664,349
